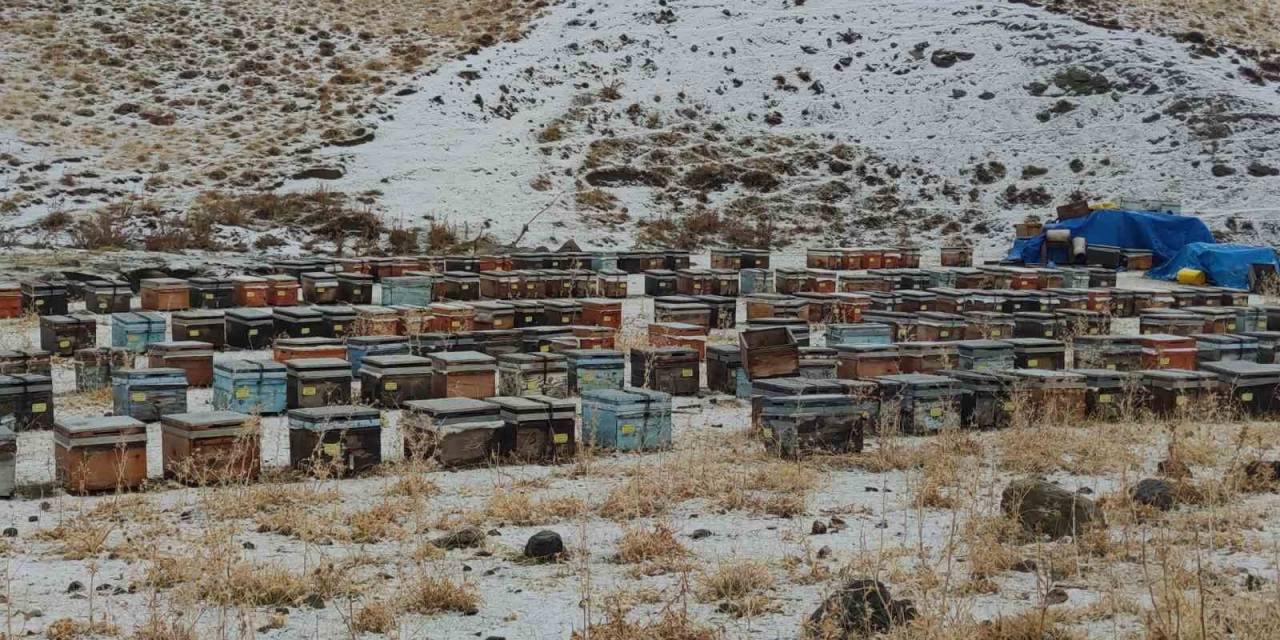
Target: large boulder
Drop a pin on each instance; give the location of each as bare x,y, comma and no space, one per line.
860,608
1154,492
1044,508
544,545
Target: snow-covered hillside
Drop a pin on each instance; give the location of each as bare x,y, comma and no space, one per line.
847,120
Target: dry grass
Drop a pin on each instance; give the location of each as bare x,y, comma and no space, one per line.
375,617
428,595
521,509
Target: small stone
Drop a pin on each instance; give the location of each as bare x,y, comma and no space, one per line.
819,528
1222,171
11,532
314,601
75,586
1154,492
1175,469
494,532
46,506
464,538
699,534
1056,596
824,552
544,545
249,546
837,521
1253,583
860,608
1042,507
1024,566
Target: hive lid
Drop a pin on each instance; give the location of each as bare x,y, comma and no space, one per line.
335,413
249,314
74,425
462,357
1241,368
205,419
317,364
446,406
298,313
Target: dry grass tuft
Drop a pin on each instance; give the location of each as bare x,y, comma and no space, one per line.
519,508
375,617
429,595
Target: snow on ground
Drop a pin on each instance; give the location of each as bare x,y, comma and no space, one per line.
931,84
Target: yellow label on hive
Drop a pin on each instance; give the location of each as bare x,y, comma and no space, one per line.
545,347
333,449
1008,406
944,333
138,396
251,294
39,407
1231,326
560,438
995,333
606,318
627,429
391,386
528,318
242,392
531,385
102,305
1048,334
337,327
936,412
308,391
253,332
1164,360
465,287
305,330
1180,400
768,432
1104,398
1033,363
193,332
208,296
686,373
456,324
564,319
1246,396
64,343
39,302
132,338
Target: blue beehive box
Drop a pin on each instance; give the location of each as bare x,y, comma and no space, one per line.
592,369
410,290
249,386
755,281
604,262
135,330
627,420
147,394
861,333
361,347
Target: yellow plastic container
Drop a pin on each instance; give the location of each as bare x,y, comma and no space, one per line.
1191,276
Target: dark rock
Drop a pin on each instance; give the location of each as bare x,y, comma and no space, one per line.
1222,171
860,608
11,532
824,552
126,108
1263,472
945,58
1259,170
1042,507
839,166
1081,81
544,545
699,534
1176,469
1154,492
773,119
249,546
986,95
75,587
1056,595
1024,566
318,173
464,538
624,177
1253,583
958,93
819,527
314,601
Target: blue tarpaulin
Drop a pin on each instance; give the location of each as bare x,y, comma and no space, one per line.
1162,234
1226,265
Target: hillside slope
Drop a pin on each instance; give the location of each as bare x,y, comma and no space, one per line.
688,122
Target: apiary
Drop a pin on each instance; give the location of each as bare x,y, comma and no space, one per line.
523,374
1215,319
984,355
605,313
817,363
586,284
913,301
491,342
957,256
249,386
1219,347
452,317
492,315
694,282
411,320
672,370
359,347
1249,318
948,300
209,447
590,369
1172,391
249,291
286,349
1102,277
1054,394
337,321
773,305
797,425
1165,351
626,420
414,290
791,281
165,294
562,312
456,432
62,335
463,374
355,288
867,361
862,333
541,428
342,440
926,357
770,352
1116,353
134,331
935,326
753,281
297,322
461,285
1075,323
986,401
1268,345
863,282
924,404
723,310
94,366
100,454
104,297
43,298
250,328
819,281
660,282
1254,387
211,293
147,394
28,397
295,267
203,325
529,313
195,358
1109,393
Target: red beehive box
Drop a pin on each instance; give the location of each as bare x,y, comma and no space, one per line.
605,313
165,294
10,300
282,290
594,337
249,291
1165,351
452,318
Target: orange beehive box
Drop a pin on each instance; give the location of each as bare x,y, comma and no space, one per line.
452,318
249,291
374,320
10,300
595,337
165,294
679,334
606,313
282,290
286,349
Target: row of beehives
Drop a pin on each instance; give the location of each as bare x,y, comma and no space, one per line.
110,453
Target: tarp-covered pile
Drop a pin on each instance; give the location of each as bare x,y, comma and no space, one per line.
1226,265
1160,233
